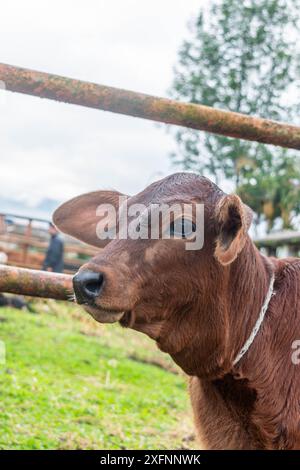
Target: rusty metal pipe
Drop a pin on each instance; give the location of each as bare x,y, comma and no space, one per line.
116,100
35,283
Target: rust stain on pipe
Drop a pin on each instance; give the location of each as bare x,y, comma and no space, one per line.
35,283
120,101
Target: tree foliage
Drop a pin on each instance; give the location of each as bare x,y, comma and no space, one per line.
244,57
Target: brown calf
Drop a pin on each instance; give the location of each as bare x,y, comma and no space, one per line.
201,306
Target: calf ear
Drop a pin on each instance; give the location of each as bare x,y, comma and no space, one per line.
233,221
79,216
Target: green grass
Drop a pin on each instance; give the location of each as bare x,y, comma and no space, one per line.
70,383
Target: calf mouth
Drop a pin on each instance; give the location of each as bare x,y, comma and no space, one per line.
104,315
127,320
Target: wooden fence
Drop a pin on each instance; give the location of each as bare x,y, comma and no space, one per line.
25,241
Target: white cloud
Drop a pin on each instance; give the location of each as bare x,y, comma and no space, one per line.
55,150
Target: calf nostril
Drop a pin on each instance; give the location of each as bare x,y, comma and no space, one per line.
93,287
87,286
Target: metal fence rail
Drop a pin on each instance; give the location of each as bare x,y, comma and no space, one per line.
195,116
35,283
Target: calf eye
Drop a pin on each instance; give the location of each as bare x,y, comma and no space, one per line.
182,228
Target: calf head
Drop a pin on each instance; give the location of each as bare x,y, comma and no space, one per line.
157,286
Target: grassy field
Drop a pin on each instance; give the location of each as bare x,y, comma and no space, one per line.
70,383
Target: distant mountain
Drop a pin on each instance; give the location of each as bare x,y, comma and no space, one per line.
43,209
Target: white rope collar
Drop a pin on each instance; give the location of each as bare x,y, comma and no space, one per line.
258,323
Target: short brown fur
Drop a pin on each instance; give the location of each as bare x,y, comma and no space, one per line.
200,307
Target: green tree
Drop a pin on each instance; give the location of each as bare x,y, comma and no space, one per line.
274,194
242,56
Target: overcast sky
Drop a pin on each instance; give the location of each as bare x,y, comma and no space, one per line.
56,150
